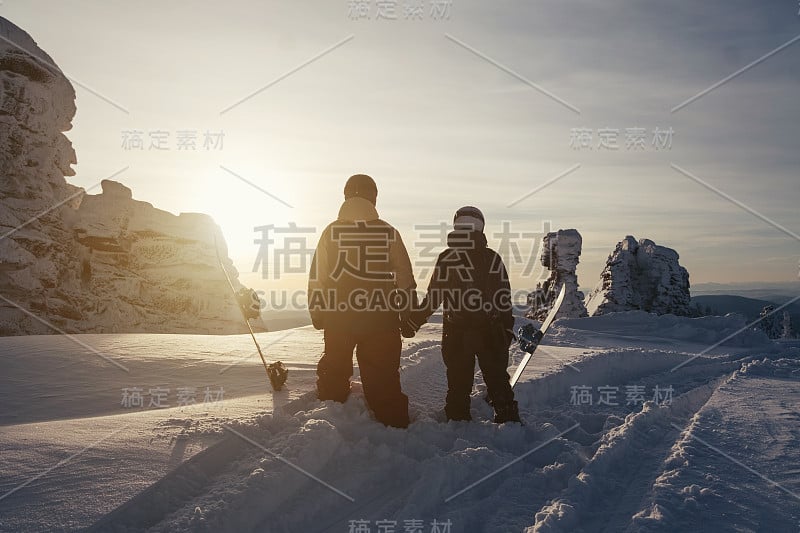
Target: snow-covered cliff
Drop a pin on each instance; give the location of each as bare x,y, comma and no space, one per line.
90,263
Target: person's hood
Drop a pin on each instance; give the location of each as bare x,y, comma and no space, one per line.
356,209
466,239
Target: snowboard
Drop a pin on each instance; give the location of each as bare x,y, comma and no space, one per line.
244,298
529,337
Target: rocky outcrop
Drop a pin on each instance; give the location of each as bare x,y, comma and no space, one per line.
90,263
561,251
641,276
37,105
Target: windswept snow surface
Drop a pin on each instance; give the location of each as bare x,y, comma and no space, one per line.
638,328
737,463
587,458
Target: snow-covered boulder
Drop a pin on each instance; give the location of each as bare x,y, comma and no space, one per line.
90,263
561,251
641,276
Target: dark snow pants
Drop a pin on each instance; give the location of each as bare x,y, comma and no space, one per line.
460,347
378,354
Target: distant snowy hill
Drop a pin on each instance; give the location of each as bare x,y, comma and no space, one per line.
778,292
750,308
287,319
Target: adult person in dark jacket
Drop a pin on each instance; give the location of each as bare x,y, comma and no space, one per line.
471,282
360,283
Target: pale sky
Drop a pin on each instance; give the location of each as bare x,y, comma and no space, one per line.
435,111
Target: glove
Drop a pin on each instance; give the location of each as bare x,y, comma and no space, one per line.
410,325
417,319
510,336
406,330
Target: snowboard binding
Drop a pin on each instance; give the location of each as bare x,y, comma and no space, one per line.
277,374
529,338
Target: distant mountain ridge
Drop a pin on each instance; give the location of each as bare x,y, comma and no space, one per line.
778,292
750,308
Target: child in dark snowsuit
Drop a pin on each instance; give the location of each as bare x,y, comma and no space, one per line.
471,282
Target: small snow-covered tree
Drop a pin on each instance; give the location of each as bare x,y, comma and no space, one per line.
788,332
769,323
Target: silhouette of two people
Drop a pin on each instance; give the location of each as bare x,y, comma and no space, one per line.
362,293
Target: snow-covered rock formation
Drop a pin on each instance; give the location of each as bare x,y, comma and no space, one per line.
641,276
561,251
90,263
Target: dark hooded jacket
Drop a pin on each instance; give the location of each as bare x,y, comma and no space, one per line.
471,282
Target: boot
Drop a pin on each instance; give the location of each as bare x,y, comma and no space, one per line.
329,389
457,413
507,413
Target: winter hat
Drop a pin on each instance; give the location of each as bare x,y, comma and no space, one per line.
362,186
470,217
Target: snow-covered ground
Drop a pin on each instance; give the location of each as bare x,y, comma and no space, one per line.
718,449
